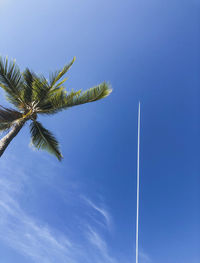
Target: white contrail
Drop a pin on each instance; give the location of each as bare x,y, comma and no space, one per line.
138,182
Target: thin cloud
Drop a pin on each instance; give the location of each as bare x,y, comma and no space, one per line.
37,241
101,210
22,233
99,243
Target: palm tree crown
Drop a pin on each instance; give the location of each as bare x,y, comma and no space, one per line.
32,94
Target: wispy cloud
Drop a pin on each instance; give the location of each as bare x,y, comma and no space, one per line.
100,209
99,243
100,216
23,233
36,240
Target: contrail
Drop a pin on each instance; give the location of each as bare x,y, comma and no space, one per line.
138,182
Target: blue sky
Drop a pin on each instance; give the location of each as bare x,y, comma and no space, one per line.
82,210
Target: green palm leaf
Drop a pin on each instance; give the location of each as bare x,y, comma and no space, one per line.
40,89
57,101
29,78
61,100
44,139
5,125
8,117
9,114
10,81
55,77
93,94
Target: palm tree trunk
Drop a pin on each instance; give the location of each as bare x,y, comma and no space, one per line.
4,142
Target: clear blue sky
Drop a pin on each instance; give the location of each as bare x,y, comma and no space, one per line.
83,209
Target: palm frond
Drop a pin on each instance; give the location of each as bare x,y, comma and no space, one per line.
55,77
93,94
40,88
8,117
10,81
5,126
61,100
9,114
44,91
27,92
57,101
44,139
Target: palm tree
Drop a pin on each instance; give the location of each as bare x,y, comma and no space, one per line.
33,94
